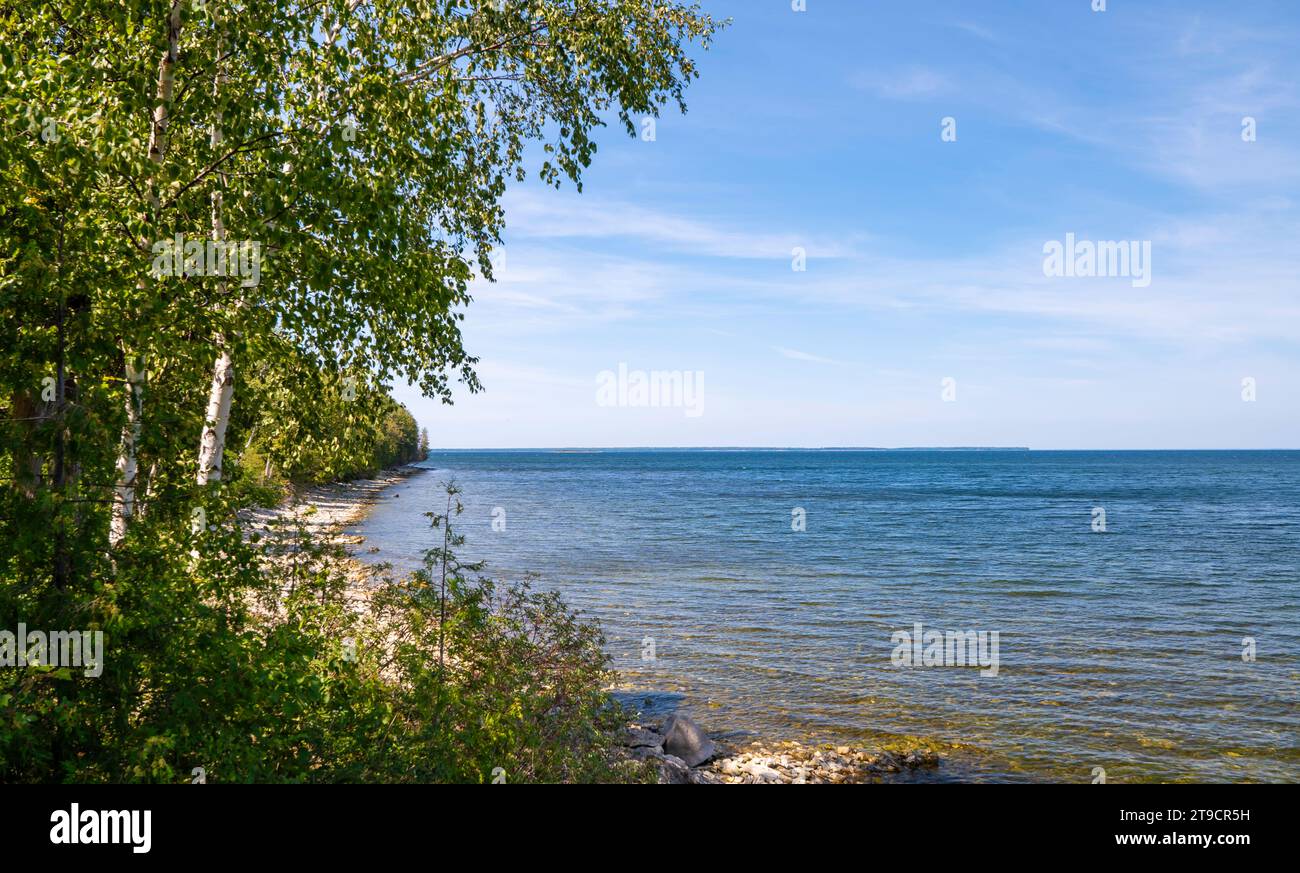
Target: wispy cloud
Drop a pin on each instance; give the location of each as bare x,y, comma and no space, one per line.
559,215
1216,278
975,30
925,258
796,355
910,84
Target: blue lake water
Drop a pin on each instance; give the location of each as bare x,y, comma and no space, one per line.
1120,649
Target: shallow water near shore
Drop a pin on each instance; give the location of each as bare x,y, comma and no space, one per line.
1119,649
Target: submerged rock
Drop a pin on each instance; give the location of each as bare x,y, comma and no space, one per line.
795,763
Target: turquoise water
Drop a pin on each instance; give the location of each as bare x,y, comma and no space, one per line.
1119,649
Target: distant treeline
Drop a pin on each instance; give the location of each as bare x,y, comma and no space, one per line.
321,428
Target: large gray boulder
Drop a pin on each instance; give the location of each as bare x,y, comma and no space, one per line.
684,739
673,771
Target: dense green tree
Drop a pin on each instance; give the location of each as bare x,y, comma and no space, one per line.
340,167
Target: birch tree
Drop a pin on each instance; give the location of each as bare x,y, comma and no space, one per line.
363,146
389,142
127,462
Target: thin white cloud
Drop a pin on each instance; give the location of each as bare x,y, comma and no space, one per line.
796,355
1216,277
910,84
560,215
975,30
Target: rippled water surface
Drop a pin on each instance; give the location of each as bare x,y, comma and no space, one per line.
1120,650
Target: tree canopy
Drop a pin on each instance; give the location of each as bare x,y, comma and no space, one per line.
228,229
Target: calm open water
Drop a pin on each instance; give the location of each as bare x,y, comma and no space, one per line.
1119,649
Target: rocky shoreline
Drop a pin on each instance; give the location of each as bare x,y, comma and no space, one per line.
677,749
326,510
681,753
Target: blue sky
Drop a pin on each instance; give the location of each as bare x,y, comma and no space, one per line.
821,130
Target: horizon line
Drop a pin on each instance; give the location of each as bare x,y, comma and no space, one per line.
835,449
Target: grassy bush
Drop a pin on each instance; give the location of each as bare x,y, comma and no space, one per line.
280,674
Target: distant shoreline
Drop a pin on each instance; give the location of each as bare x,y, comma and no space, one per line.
576,450
592,450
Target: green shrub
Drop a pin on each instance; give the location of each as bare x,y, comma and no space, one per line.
257,674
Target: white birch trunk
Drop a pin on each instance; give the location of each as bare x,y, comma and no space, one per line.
127,465
212,444
151,480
